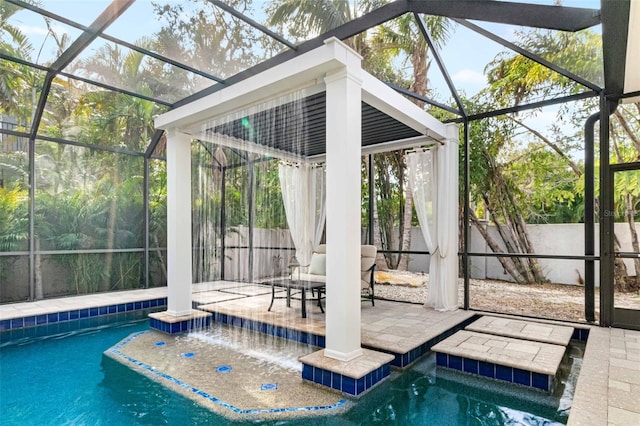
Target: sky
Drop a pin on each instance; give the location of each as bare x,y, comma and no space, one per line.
465,55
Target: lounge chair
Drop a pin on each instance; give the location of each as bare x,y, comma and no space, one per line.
316,271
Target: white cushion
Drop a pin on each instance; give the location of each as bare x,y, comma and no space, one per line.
318,265
310,277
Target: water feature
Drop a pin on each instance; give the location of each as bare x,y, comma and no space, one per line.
260,349
64,379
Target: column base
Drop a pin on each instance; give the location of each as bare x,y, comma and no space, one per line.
171,324
354,377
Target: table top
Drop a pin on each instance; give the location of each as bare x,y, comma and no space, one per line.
287,282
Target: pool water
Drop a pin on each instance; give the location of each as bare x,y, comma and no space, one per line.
64,379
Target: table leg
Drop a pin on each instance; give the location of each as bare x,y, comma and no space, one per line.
304,304
273,295
288,296
320,300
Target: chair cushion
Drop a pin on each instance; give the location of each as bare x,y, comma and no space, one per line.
318,265
322,249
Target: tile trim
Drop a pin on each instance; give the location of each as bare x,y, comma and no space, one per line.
77,314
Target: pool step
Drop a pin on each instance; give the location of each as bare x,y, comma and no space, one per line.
526,330
516,351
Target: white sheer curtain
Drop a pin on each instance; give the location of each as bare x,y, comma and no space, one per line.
433,181
303,193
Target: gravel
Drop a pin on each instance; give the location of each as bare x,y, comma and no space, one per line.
553,301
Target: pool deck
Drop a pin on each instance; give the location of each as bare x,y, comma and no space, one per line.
607,388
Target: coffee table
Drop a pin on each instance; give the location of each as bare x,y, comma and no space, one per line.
302,286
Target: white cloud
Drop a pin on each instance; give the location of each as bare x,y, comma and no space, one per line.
33,30
469,76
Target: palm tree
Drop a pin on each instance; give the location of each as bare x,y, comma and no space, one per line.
309,18
402,37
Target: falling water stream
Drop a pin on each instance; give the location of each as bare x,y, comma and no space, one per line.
259,349
237,196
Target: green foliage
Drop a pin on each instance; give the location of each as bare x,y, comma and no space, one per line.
14,218
269,207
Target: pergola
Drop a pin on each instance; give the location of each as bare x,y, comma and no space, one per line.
334,70
620,20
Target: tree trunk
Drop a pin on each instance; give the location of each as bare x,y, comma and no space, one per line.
163,264
403,264
493,245
381,262
634,237
621,277
38,271
513,233
111,231
627,129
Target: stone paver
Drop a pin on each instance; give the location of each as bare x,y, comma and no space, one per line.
520,329
356,368
538,357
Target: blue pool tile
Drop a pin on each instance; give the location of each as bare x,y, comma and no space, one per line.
41,319
307,372
102,310
349,385
540,381
269,386
52,318
146,304
405,359
336,381
521,377
487,369
470,365
137,305
63,316
121,307
326,378
93,312
455,362
84,313
129,307
504,373
29,321
5,325
360,385
368,381
17,323
112,309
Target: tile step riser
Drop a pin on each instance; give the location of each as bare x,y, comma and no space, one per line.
495,371
344,384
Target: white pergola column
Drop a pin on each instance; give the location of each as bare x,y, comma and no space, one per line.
178,223
343,97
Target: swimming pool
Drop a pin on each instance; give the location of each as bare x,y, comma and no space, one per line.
63,379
